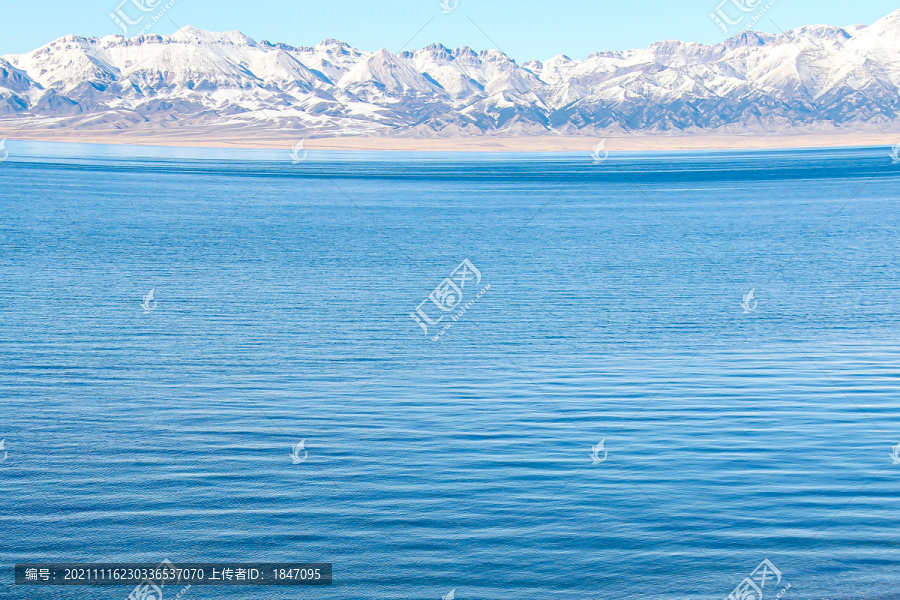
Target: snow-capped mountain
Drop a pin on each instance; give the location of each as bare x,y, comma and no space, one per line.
811,77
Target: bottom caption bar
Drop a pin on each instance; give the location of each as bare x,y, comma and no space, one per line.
157,576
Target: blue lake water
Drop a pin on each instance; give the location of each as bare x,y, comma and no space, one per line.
283,294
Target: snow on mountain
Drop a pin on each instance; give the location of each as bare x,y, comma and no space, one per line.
284,71
66,64
814,76
384,73
329,58
14,79
440,64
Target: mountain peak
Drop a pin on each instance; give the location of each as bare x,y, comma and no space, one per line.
216,37
332,43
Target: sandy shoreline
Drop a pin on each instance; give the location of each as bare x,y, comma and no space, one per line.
624,143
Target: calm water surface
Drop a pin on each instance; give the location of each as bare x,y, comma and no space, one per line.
284,295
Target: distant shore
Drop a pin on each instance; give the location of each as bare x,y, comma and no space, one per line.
623,143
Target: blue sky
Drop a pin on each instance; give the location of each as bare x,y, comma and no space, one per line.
524,29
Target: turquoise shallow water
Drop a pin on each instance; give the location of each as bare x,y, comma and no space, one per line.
284,295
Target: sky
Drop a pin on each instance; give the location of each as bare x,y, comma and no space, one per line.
524,29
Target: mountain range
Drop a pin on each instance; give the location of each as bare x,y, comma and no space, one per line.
815,77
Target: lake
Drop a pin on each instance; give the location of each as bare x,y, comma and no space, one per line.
452,336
